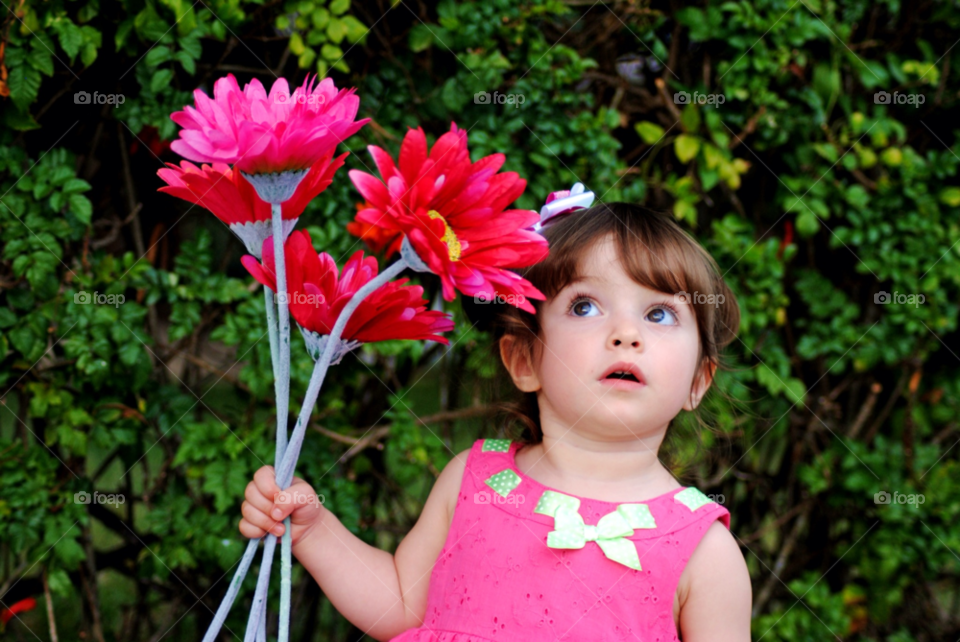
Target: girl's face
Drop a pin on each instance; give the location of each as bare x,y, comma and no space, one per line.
608,321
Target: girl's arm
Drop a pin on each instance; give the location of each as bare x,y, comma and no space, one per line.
380,593
718,600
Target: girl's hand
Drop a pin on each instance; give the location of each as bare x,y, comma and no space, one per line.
266,506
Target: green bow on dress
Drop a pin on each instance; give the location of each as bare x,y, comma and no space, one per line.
610,532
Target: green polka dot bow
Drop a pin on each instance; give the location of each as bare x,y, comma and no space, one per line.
610,532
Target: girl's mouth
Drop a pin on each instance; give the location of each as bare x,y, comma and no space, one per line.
623,375
622,381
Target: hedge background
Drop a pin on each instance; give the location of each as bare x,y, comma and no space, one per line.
817,197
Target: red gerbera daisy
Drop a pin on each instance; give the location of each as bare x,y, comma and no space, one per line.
233,200
452,212
318,293
376,237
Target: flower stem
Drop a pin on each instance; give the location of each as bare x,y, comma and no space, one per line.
283,633
288,463
286,468
260,595
214,629
285,475
281,378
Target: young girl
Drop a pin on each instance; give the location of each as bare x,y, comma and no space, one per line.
576,531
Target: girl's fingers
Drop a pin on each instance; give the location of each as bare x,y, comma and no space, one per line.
266,481
260,519
260,501
250,531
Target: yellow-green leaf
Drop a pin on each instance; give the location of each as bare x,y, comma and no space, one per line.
649,132
686,147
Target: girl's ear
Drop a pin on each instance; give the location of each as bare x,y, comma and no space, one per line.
701,385
517,361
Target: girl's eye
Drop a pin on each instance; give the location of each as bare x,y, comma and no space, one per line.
664,314
582,306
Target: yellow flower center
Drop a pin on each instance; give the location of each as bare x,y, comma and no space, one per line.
453,245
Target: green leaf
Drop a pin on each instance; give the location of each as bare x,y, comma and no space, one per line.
649,132
71,38
356,30
950,196
296,44
160,79
686,147
690,118
807,223
331,52
338,7
420,38
191,46
158,56
186,62
320,17
41,60
24,84
336,30
75,185
81,208
7,317
20,120
685,211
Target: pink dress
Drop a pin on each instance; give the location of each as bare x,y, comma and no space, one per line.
526,562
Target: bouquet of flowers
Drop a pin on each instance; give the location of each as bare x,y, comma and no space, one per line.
265,157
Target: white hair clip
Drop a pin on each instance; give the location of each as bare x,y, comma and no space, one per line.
562,202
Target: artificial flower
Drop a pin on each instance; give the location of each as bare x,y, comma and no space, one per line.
317,294
452,212
375,236
233,200
263,134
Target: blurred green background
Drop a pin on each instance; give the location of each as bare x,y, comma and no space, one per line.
814,155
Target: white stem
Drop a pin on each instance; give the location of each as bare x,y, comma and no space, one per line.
221,616
281,379
260,595
289,462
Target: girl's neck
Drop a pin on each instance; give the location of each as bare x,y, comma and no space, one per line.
607,471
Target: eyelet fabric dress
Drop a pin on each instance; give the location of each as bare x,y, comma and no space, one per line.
526,562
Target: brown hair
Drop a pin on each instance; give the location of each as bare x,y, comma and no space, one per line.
657,253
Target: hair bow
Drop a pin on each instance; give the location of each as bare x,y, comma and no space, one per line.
562,202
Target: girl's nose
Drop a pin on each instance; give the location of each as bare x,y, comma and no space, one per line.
626,336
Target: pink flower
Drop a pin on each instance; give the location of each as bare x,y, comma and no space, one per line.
453,213
263,134
317,294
